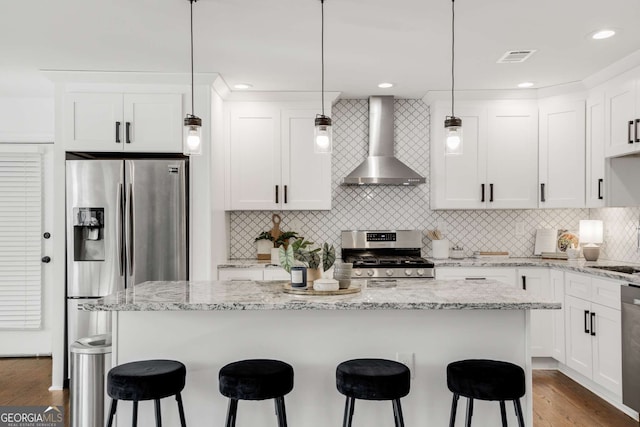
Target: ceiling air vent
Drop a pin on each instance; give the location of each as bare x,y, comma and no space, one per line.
514,56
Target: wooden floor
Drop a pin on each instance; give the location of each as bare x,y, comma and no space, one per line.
557,400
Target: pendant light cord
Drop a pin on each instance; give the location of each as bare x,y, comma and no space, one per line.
322,52
192,109
453,38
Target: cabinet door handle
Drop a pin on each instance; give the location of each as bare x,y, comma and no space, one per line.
475,278
542,197
118,132
629,139
593,324
285,194
635,130
600,181
491,192
586,319
524,282
128,132
482,192
277,187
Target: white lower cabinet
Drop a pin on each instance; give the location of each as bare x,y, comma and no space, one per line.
556,281
241,274
593,330
536,282
504,275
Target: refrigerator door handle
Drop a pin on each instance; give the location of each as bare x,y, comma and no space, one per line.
119,219
130,228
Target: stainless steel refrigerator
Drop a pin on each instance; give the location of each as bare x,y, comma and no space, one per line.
126,224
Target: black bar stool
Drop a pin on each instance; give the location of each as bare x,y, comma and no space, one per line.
373,379
146,380
486,380
256,379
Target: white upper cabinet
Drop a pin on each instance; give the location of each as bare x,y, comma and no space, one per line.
123,122
562,153
272,162
595,161
498,166
622,114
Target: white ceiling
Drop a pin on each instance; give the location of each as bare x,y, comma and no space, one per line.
275,44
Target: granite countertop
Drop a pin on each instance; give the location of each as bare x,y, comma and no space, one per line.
578,266
401,294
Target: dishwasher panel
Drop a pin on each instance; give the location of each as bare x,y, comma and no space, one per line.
630,296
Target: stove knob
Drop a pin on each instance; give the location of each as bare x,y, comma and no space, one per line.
358,272
420,272
408,272
389,272
370,272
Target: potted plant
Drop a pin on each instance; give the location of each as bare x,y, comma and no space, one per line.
265,242
300,250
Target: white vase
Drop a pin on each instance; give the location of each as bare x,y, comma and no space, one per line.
440,248
263,247
275,255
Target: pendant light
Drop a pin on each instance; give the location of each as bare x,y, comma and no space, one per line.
192,138
453,124
322,135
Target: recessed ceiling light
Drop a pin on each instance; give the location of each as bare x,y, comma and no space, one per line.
525,84
242,86
385,85
603,34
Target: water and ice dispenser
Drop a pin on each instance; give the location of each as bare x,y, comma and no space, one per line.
88,233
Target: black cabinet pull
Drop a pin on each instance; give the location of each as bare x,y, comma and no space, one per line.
542,197
46,235
593,324
635,130
285,194
629,132
475,278
524,282
586,319
600,181
46,259
277,186
128,132
482,192
491,192
118,132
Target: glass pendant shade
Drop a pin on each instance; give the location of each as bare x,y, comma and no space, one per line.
323,135
453,136
192,137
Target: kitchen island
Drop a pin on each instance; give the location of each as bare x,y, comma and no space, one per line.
428,323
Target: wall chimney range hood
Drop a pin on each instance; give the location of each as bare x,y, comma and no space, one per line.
381,167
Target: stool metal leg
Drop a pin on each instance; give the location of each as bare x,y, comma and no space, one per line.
397,413
348,411
503,414
112,412
281,412
469,412
231,413
158,416
134,423
183,423
516,403
454,408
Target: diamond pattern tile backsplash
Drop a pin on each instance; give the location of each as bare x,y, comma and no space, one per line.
389,207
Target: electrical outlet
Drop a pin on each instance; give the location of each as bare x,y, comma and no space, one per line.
409,360
519,228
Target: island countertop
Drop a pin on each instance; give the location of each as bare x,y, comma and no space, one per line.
401,294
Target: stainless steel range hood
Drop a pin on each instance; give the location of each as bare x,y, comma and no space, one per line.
381,167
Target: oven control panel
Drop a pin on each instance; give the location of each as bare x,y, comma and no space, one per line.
381,237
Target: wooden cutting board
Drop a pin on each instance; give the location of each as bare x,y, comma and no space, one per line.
275,231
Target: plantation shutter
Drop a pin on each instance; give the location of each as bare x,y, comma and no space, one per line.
20,238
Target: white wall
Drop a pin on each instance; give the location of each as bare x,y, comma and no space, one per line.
26,120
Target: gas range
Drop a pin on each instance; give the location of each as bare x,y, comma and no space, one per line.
386,254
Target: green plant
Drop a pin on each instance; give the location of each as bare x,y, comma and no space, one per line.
300,250
265,235
283,239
